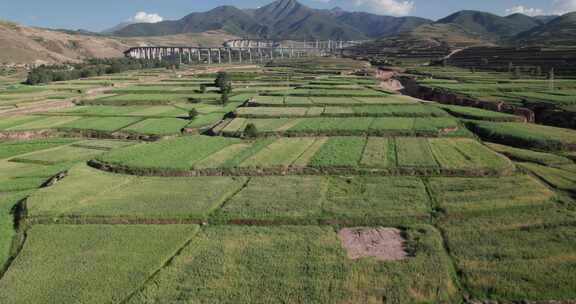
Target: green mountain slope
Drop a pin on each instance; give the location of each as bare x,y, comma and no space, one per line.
560,31
490,25
376,26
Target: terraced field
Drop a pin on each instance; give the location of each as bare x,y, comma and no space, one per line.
348,126
203,155
324,190
550,99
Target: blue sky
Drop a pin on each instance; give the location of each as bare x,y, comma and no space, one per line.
101,14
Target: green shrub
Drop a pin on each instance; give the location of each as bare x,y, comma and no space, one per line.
250,131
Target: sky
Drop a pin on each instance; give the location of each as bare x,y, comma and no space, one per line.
102,14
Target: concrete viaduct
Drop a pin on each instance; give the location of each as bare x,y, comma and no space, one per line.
240,51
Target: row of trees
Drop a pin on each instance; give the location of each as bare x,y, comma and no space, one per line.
90,68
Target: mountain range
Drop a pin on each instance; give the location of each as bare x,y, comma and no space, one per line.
291,20
283,20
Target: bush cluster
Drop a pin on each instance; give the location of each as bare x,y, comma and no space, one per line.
90,68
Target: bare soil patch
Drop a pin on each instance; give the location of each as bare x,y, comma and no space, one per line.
385,244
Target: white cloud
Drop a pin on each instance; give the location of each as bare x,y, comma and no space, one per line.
564,6
386,7
528,11
392,7
143,17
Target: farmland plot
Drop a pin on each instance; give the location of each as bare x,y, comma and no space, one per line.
391,200
515,255
45,123
91,194
459,153
104,124
277,198
9,149
282,152
93,263
180,153
241,264
560,178
414,152
308,155
58,155
525,135
339,152
461,195
342,111
158,126
523,155
380,152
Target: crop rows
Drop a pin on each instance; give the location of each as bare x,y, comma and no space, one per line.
200,155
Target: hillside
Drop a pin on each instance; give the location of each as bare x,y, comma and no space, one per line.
21,44
227,18
558,32
430,36
490,25
376,26
282,19
24,45
451,35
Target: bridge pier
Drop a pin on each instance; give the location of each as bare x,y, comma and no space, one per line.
257,51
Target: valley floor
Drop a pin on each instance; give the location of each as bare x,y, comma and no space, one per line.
326,189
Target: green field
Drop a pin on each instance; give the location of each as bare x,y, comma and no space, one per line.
349,126
205,155
241,265
342,111
89,193
525,135
310,185
125,255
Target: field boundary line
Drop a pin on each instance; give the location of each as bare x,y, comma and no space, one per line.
19,239
229,198
434,216
167,263
304,152
431,150
359,162
131,124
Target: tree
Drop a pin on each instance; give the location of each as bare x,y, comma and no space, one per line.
224,98
192,114
203,88
250,131
223,82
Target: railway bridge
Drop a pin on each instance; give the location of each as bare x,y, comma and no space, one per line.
240,51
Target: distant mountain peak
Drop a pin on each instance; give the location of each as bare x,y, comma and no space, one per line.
283,20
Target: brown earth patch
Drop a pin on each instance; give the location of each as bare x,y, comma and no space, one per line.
385,244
